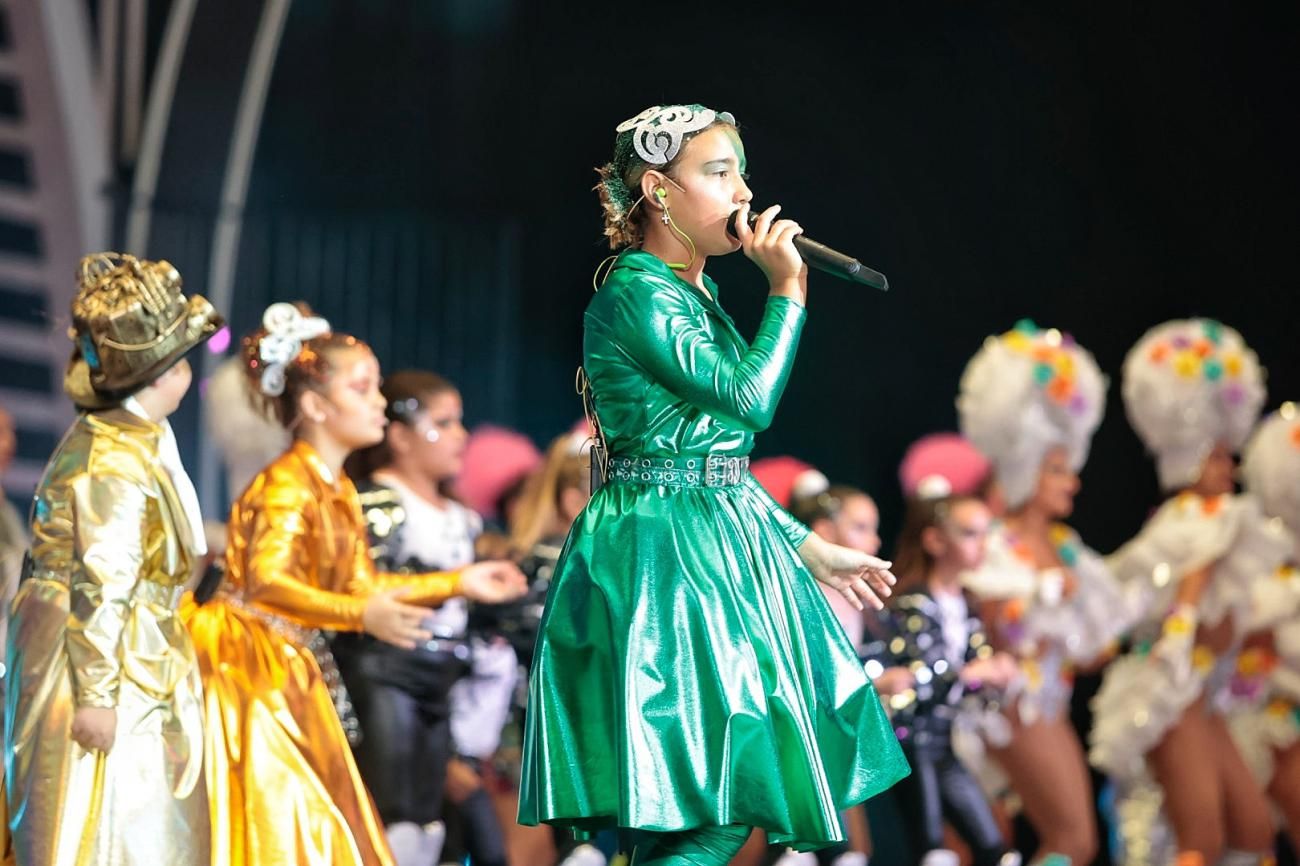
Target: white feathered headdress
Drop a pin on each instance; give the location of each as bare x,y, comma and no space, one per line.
1023,393
1190,384
1271,466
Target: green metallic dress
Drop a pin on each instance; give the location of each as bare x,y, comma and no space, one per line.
689,672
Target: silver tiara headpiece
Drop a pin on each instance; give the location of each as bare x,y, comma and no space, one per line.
658,132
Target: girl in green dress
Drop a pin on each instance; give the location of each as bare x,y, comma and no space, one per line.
690,681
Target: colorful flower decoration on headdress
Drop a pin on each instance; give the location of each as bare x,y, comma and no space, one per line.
1054,368
1024,392
1190,384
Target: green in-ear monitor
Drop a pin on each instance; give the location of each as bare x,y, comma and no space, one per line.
661,193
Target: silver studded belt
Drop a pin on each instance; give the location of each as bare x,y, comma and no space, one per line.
712,470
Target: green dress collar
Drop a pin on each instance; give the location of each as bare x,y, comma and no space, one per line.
640,260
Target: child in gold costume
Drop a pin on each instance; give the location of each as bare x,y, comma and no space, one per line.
283,784
103,721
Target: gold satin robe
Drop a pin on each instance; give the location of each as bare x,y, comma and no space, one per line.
95,625
283,785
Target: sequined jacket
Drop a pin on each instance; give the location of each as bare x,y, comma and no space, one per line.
387,523
924,714
517,621
385,520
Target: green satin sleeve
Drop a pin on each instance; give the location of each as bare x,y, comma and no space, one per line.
791,528
663,330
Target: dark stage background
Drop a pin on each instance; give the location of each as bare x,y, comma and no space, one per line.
424,168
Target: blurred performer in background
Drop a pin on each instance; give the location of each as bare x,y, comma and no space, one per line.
952,669
298,563
1193,392
1266,689
13,537
404,699
1030,400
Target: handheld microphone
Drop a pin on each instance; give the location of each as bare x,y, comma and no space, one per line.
825,259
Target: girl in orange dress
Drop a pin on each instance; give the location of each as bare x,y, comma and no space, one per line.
283,786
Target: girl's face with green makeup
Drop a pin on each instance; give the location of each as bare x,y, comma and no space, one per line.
703,188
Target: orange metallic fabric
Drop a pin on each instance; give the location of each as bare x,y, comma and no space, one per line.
95,625
283,785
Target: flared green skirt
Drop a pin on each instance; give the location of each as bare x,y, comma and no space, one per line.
690,673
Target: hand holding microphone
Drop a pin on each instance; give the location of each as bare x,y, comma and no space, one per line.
767,242
816,255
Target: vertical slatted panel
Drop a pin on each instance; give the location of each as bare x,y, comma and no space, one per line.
49,212
423,291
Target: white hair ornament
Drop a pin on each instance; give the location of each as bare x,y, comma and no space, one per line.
286,330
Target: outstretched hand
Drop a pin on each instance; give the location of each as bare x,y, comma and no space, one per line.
861,578
998,670
393,621
493,582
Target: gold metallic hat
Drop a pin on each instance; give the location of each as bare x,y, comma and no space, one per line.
130,323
